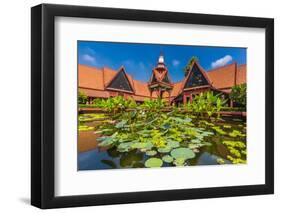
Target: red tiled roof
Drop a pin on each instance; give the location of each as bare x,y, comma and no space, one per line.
93,81
177,88
90,77
108,75
141,88
242,74
224,77
95,93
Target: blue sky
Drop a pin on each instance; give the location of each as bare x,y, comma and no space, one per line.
139,59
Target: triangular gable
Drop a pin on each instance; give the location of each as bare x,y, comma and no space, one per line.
196,77
120,82
160,77
153,78
166,79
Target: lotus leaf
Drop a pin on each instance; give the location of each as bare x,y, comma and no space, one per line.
234,152
106,142
205,133
194,146
142,145
220,161
207,143
244,152
173,144
165,149
236,133
187,120
195,141
124,147
219,130
237,144
151,152
85,128
121,124
184,153
196,150
153,162
167,159
179,162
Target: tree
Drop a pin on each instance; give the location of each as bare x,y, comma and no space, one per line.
239,95
82,98
187,68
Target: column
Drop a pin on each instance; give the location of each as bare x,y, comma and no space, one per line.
170,97
231,103
190,98
184,98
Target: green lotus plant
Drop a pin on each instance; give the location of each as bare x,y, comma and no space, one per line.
174,138
206,104
115,104
153,162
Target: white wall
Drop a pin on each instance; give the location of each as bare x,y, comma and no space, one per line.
15,105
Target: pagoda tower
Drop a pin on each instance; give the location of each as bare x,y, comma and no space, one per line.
160,81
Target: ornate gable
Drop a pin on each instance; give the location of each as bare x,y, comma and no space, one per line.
196,77
120,82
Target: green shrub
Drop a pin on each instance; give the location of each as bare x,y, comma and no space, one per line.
82,97
239,95
154,104
187,68
115,104
206,103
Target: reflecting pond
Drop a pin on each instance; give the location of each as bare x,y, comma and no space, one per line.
182,140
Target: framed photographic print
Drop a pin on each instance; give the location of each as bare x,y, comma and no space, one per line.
140,106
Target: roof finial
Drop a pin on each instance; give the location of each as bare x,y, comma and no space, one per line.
161,57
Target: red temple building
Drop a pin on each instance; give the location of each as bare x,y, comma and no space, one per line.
105,82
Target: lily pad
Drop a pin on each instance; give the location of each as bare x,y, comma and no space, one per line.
207,143
220,161
196,150
173,144
142,145
179,162
153,162
124,147
106,142
165,149
121,124
167,159
187,120
151,152
184,153
196,141
194,146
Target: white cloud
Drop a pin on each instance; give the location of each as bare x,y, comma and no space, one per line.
90,51
222,61
175,62
89,58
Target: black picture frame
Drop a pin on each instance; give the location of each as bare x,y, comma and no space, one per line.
43,102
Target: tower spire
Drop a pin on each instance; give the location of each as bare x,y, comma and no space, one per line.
161,62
